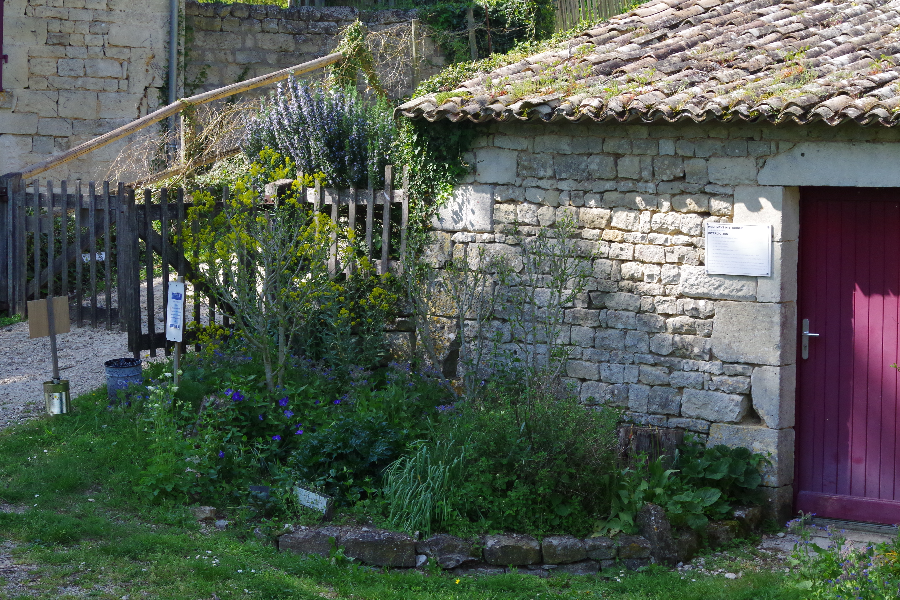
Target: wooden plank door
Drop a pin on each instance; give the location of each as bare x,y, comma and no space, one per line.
848,448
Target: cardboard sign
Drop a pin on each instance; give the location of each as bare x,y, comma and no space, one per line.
175,312
315,501
738,249
39,321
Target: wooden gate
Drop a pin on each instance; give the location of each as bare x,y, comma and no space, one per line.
848,448
105,246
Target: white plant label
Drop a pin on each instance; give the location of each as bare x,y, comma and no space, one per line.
175,312
738,249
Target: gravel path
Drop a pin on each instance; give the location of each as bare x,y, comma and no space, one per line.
25,363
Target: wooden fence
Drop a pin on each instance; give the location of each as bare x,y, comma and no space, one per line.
118,240
569,13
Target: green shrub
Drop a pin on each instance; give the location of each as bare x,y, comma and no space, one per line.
535,460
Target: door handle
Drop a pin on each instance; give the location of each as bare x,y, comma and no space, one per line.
805,335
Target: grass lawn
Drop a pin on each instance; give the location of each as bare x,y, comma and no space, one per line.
71,519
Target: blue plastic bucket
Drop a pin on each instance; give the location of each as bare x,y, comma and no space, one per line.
122,373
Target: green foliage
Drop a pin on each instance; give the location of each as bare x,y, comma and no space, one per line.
347,457
534,460
702,483
842,570
420,488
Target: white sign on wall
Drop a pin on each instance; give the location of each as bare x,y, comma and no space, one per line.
738,249
175,311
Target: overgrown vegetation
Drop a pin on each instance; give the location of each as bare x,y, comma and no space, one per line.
74,524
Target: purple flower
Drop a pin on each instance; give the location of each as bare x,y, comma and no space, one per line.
289,413
260,417
298,432
283,401
338,401
229,392
237,396
221,454
316,402
276,437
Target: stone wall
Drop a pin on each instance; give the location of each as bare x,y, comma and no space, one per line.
232,42
77,69
654,334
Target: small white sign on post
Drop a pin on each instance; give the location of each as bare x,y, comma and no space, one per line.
175,311
738,249
310,499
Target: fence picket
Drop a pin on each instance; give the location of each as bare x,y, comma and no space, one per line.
21,237
151,313
404,216
386,223
36,206
79,291
51,243
107,254
64,237
164,253
195,230
92,227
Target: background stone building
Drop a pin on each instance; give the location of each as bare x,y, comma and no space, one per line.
685,113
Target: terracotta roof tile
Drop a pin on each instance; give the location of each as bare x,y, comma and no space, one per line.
760,60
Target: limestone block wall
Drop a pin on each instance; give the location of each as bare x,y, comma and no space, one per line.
227,43
77,69
654,334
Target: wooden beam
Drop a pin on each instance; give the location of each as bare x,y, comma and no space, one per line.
175,108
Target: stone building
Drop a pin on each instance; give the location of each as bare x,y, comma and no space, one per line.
685,113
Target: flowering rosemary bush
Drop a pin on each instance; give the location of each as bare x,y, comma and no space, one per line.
333,131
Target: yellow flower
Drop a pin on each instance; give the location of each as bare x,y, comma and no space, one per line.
457,581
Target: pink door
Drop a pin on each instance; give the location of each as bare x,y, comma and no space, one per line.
848,450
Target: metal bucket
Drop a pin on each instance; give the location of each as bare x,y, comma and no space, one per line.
56,397
122,373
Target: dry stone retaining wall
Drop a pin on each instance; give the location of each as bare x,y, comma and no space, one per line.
654,334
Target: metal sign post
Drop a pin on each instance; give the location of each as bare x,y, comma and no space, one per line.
175,320
47,318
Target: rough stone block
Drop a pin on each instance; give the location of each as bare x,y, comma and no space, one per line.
494,165
650,322
638,397
380,548
20,123
720,534
664,401
691,346
695,171
585,567
511,550
583,370
660,343
650,254
621,319
713,406
637,341
470,208
563,549
655,527
687,379
769,205
695,283
633,546
600,548
756,333
320,541
622,301
732,171
583,316
778,444
535,165
70,67
612,373
118,105
448,551
729,384
609,339
100,67
668,167
79,105
781,286
696,425
582,336
594,218
773,390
